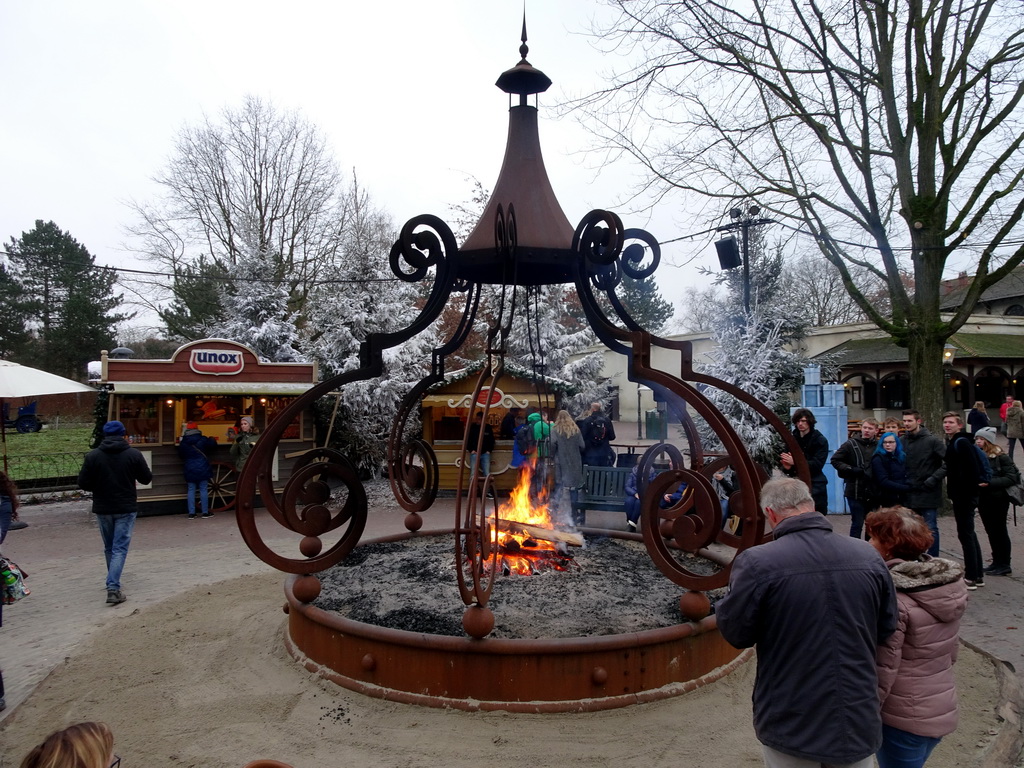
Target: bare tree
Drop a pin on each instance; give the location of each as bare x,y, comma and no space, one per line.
890,130
814,289
255,180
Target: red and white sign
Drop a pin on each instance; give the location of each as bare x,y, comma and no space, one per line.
495,396
216,362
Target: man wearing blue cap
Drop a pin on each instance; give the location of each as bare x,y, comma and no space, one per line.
110,472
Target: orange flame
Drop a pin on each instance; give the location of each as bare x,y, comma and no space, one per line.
519,551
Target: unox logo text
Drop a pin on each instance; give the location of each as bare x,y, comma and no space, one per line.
216,362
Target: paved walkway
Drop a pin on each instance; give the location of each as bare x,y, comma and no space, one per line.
61,549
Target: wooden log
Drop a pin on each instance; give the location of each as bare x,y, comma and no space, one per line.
544,534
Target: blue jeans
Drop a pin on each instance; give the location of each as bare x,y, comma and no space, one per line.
931,518
116,531
6,513
902,749
485,463
204,497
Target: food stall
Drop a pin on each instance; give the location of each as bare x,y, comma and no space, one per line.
446,408
213,382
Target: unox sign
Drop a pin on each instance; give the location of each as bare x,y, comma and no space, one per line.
489,396
216,362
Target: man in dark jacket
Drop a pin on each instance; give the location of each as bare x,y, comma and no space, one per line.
814,447
110,472
963,479
598,434
816,605
852,461
926,467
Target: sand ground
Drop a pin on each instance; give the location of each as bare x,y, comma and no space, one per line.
191,671
202,679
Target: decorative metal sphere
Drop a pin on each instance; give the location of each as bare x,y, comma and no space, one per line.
478,621
306,588
694,606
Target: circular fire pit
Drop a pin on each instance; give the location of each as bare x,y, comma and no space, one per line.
535,674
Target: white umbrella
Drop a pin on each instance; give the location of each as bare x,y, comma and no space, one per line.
21,381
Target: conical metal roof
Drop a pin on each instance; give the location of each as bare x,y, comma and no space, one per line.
543,234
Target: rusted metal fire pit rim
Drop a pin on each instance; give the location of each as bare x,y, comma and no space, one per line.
504,646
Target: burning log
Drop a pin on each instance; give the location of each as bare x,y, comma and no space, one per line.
544,534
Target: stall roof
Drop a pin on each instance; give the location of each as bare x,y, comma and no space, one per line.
209,387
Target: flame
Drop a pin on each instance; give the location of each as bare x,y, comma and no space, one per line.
519,507
519,552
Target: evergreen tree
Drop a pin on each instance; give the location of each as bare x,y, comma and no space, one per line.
13,331
644,302
69,301
197,305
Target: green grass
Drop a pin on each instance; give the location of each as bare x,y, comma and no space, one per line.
49,453
48,441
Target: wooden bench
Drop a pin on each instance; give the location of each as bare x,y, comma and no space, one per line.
604,489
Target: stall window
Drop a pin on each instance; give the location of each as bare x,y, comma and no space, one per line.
140,419
274,406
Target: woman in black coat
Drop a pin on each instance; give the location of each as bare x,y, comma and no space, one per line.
193,448
994,503
977,419
889,471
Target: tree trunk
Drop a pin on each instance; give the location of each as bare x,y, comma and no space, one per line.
927,382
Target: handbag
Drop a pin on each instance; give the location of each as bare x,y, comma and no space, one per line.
13,578
1016,493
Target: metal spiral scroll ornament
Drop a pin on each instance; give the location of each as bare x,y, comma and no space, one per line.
324,492
412,463
695,521
476,551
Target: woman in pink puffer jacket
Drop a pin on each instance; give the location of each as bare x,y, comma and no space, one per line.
915,665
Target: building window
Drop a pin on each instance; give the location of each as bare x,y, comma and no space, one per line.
896,391
1015,309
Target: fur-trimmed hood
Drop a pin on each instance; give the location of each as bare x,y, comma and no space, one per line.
934,583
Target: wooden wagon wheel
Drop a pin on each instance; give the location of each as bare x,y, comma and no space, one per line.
222,486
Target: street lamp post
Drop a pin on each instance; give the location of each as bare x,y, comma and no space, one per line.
727,249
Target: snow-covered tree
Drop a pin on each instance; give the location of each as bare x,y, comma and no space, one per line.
358,297
255,310
751,356
546,337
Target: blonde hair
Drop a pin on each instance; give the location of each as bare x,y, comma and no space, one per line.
83,745
980,406
564,425
990,449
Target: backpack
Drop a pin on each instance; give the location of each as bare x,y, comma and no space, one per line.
525,442
598,432
984,467
981,462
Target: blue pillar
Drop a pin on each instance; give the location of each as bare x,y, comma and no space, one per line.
828,404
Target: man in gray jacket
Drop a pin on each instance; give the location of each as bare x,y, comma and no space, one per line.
816,604
926,467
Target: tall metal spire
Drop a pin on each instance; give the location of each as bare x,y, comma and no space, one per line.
543,234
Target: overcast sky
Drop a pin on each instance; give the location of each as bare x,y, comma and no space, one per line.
94,93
